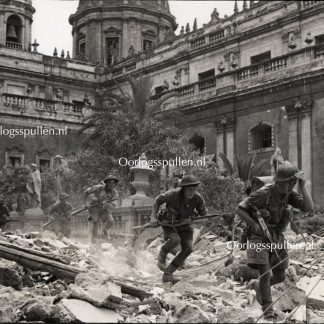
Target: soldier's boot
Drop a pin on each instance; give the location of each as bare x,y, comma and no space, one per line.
162,260
168,274
268,311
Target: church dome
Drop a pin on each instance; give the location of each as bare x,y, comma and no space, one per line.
159,5
105,31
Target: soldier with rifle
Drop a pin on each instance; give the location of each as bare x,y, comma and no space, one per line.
106,200
265,212
182,204
61,212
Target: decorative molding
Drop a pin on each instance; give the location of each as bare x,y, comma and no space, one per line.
302,106
112,30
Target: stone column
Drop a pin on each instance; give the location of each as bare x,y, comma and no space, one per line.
225,137
300,152
3,33
75,42
124,39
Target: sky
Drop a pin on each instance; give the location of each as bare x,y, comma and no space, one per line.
51,27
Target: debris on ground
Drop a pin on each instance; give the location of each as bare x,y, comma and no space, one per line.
45,279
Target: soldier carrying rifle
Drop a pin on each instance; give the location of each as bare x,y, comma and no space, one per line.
182,204
265,211
104,200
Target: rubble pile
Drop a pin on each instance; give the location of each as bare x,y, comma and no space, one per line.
47,279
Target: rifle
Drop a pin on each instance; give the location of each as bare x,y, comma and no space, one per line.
80,209
264,228
147,225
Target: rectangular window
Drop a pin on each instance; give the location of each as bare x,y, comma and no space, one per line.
82,47
112,49
261,58
206,75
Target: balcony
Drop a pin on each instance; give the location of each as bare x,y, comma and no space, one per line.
299,62
14,45
12,104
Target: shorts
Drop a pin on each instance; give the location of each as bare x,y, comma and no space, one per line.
184,231
258,254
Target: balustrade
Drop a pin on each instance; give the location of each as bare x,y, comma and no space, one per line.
247,73
207,84
14,45
198,42
214,37
44,105
275,64
186,91
307,4
14,100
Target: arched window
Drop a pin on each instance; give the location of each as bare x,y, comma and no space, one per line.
14,32
261,136
198,142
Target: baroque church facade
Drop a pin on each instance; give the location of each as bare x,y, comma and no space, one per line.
248,83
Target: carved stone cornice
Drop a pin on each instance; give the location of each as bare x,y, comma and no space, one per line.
299,106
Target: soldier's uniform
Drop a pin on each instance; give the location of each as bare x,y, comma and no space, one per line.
61,212
267,198
273,207
106,200
177,216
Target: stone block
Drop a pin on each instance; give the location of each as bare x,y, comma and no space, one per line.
85,312
191,313
11,274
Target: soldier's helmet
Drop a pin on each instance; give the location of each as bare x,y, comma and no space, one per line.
285,172
189,180
111,177
64,196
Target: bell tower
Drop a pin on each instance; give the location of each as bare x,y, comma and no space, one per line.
106,31
16,17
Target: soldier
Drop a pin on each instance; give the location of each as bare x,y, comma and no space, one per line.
4,213
107,197
272,200
61,212
182,204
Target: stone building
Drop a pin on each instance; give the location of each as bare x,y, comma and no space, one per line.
247,83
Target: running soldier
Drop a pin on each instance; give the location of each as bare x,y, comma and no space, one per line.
271,201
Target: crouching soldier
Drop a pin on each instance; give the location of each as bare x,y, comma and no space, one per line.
272,200
4,213
61,212
182,204
106,200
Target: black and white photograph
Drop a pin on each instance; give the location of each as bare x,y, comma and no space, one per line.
161,161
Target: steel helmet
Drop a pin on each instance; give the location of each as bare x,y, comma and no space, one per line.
286,172
111,177
189,180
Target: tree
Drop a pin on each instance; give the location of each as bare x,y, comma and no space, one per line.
132,109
